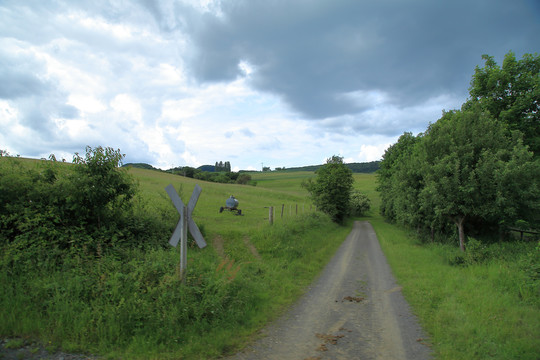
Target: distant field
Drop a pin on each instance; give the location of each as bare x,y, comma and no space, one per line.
272,189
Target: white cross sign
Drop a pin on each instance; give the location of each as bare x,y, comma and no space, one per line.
185,212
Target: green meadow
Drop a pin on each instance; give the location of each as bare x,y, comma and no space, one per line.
133,305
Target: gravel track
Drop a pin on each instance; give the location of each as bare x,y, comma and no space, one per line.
354,310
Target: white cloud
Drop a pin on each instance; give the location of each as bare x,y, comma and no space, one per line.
86,103
371,152
127,105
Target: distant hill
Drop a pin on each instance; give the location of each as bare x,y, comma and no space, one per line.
367,167
141,166
209,168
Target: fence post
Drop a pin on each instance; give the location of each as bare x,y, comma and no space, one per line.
282,207
271,214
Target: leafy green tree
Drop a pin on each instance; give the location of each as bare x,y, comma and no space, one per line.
511,94
469,165
188,171
359,203
472,168
399,181
332,187
243,179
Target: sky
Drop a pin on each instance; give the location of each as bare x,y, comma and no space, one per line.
274,83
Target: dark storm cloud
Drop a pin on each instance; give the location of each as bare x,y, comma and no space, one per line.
313,52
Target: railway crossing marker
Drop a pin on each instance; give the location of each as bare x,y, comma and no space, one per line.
184,224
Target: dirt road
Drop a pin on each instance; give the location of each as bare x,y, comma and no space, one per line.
354,310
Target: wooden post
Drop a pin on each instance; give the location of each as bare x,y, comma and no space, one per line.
271,215
183,246
282,207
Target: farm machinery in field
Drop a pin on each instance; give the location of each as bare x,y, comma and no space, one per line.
231,204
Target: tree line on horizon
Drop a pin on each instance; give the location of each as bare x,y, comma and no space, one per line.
477,169
363,167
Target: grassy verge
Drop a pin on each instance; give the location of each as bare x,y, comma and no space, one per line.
138,308
478,310
482,305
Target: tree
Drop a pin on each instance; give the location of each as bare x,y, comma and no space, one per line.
472,169
393,178
189,171
511,94
359,203
222,166
332,187
469,164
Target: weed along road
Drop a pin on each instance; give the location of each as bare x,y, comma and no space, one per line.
354,310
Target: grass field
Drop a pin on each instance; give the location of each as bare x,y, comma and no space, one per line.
251,271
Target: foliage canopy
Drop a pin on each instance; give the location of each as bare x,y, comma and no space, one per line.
332,188
511,94
471,168
85,207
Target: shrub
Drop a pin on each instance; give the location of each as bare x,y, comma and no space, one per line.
86,208
243,179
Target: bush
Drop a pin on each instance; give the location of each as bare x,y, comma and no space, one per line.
86,208
100,190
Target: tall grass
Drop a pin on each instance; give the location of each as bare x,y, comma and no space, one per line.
131,303
485,310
